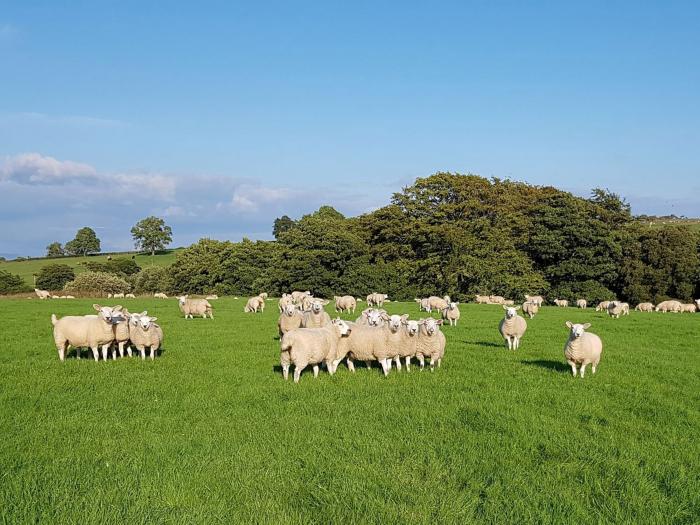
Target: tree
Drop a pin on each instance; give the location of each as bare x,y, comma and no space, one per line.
281,225
85,242
151,234
55,250
10,283
54,276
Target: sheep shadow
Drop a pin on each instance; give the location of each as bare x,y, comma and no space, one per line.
557,366
487,343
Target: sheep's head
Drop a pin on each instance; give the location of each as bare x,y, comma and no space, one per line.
394,321
511,311
290,310
342,327
430,325
108,313
411,327
181,299
453,306
316,307
146,321
577,330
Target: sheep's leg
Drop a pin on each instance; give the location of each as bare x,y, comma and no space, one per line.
408,363
121,348
432,363
397,360
583,370
114,353
142,350
421,360
383,362
105,352
62,352
593,365
153,353
95,352
368,364
315,368
77,352
573,367
128,350
297,372
351,365
516,342
285,371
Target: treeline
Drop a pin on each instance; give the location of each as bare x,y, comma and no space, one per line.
461,235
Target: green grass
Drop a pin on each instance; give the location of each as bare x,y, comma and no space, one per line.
27,269
210,433
656,224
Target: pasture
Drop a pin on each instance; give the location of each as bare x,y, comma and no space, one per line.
210,433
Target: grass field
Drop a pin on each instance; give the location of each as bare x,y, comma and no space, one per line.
210,433
27,269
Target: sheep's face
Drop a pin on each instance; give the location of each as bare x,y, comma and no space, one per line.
181,299
453,306
107,312
412,327
374,317
511,312
394,322
316,307
430,325
577,330
289,310
342,327
146,321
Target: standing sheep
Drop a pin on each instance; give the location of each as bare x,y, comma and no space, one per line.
290,319
430,343
160,295
496,299
451,314
689,308
255,304
298,296
42,294
512,327
603,306
145,333
582,303
644,307
438,303
92,331
192,307
376,299
669,306
536,299
345,303
616,309
561,303
530,309
582,348
481,299
284,301
316,316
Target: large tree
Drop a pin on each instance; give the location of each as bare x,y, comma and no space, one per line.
55,250
85,242
152,234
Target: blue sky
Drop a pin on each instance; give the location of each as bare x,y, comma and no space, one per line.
222,116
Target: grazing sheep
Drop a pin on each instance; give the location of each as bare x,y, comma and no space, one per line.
644,307
284,301
298,297
423,304
42,294
530,308
377,299
192,307
496,299
697,303
118,296
345,303
430,343
603,306
536,299
290,319
212,297
311,346
264,295
617,308
451,314
561,303
482,299
70,297
145,333
254,305
512,327
55,297
130,296
92,331
438,303
316,316
582,348
160,295
582,303
669,306
509,302
689,308
371,317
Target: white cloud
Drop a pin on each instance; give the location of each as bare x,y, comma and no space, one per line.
249,197
33,168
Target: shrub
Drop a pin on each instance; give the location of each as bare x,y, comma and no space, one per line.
152,279
54,276
10,283
98,282
121,266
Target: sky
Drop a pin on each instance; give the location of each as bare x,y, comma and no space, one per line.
221,116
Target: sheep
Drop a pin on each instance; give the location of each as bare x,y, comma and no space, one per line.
92,331
438,303
697,303
145,333
307,302
212,297
55,297
561,303
42,294
509,302
644,307
130,296
669,306
290,319
316,316
617,308
603,306
451,314
371,317
582,303
377,299
689,308
530,308
160,295
284,301
365,343
192,307
264,295
70,297
536,299
512,327
496,299
121,332
254,305
582,348
345,303
298,297
423,304
430,342
118,296
482,299
311,346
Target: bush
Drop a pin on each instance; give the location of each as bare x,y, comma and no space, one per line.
54,276
98,282
152,279
119,266
11,283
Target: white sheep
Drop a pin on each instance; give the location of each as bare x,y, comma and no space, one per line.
365,343
509,302
130,296
451,313
255,304
311,346
345,303
298,297
121,332
689,308
669,306
316,316
438,303
582,303
615,309
603,306
290,319
512,327
482,299
92,331
118,296
430,343
423,304
644,307
537,299
496,299
192,307
377,299
561,303
285,300
582,348
212,297
42,294
371,317
145,333
160,295
530,308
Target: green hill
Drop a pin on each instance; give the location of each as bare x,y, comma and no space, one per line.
27,268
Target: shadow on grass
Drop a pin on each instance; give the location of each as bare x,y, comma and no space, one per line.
549,364
487,343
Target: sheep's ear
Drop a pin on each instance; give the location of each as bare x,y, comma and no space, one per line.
516,307
439,321
144,313
421,321
586,326
153,319
404,318
385,317
117,308
568,324
97,307
325,302
505,307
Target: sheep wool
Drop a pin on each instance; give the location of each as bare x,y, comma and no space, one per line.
582,348
512,327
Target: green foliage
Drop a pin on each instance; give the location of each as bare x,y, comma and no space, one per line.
55,250
151,234
199,268
120,266
54,276
281,225
152,279
99,283
11,283
85,242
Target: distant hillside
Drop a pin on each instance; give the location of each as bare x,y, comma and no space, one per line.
660,222
27,268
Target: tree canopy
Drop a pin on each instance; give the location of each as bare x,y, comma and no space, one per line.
85,242
151,234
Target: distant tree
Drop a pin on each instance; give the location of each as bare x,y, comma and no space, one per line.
281,225
151,234
54,276
55,250
85,242
10,283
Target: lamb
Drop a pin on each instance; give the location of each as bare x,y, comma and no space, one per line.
311,346
451,314
42,294
582,303
430,343
438,303
121,332
255,304
536,299
160,295
561,303
512,327
145,333
285,300
212,297
644,307
509,302
689,308
316,316
582,348
669,306
530,308
376,299
616,309
345,303
290,319
482,299
602,306
92,331
118,296
192,307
